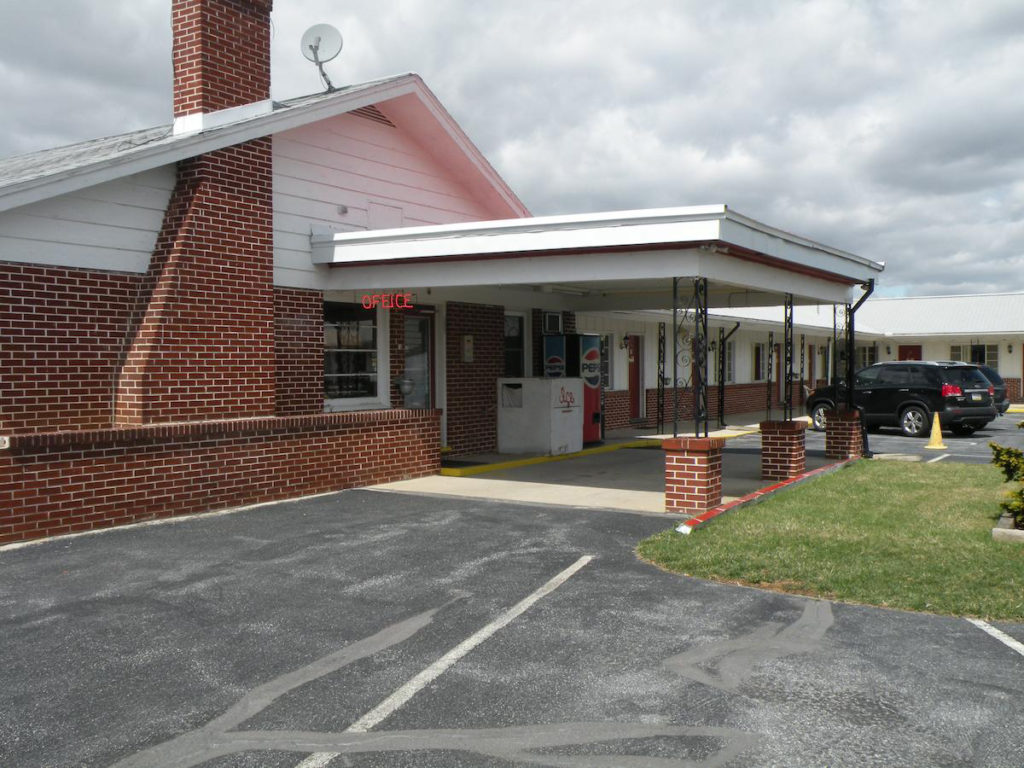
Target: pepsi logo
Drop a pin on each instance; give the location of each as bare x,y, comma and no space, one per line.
590,367
554,366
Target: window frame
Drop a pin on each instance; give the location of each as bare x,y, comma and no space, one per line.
382,400
525,339
759,353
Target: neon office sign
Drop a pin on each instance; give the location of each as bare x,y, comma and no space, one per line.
387,300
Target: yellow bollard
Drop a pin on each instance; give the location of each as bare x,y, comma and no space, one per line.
935,443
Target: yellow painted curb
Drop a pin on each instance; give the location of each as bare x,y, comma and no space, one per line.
477,470
640,443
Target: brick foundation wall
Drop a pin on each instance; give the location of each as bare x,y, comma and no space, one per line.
62,333
616,408
693,474
783,452
472,388
298,351
205,316
739,398
64,482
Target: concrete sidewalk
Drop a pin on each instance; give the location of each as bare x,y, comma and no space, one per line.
626,473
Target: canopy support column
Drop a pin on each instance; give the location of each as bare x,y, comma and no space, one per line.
700,341
786,374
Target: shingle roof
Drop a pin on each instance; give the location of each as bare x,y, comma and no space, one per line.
67,158
26,177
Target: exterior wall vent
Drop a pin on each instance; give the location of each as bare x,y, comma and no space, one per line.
372,113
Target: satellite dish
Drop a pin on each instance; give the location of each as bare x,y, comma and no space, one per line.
320,44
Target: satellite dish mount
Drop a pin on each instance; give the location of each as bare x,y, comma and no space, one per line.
320,44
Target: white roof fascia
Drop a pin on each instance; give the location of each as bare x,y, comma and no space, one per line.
176,148
470,151
584,232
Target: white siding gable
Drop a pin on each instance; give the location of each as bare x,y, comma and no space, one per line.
111,226
346,173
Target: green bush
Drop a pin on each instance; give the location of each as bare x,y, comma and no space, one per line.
1011,462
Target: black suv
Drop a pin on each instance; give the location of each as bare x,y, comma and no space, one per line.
906,394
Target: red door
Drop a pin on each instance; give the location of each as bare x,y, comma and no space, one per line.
635,382
909,352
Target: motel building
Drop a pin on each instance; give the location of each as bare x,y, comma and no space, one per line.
266,300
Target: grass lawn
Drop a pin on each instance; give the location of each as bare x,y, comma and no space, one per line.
887,533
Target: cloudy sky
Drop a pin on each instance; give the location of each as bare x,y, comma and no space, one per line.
891,129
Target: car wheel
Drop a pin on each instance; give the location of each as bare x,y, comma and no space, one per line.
914,421
963,430
818,416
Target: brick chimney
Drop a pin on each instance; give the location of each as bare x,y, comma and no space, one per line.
202,339
221,54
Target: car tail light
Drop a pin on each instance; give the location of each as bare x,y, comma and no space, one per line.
951,390
991,391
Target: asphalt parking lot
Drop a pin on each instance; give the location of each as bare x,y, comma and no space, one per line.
972,450
383,629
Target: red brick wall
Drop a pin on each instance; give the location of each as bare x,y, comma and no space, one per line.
472,388
298,351
205,316
221,53
1013,389
54,483
62,332
616,408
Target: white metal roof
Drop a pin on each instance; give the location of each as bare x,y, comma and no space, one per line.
968,315
963,315
615,260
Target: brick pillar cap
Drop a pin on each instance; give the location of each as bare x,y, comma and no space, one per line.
842,415
783,426
693,444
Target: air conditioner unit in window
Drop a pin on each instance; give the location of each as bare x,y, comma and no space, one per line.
552,322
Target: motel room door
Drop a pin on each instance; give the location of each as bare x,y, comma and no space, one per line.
909,352
419,360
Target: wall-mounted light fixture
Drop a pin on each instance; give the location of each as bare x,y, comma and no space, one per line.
624,341
888,349
1009,349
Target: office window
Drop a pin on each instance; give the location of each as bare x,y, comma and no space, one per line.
351,352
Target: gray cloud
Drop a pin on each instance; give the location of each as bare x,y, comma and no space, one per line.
888,129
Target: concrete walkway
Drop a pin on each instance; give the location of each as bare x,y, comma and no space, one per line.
626,473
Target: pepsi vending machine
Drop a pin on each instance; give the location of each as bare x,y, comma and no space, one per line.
578,355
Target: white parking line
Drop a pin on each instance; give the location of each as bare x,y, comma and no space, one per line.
938,458
393,702
999,635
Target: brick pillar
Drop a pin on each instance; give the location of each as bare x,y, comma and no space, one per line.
693,474
783,453
843,439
